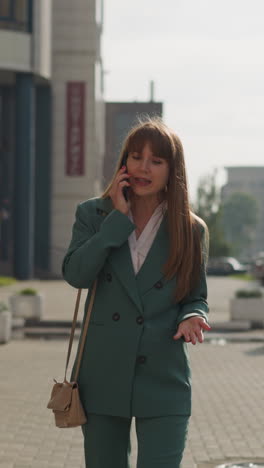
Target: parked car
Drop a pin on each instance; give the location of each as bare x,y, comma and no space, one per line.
258,267
225,266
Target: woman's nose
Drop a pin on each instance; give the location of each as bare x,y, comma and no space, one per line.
145,165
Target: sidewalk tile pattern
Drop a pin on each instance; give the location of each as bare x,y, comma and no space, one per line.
228,406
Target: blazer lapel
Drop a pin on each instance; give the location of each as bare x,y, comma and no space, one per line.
120,259
121,262
152,269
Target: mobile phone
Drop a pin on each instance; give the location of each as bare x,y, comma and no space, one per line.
125,189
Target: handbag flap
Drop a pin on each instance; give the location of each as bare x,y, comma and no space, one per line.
61,396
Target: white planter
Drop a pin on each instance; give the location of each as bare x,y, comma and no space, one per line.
5,326
251,309
27,306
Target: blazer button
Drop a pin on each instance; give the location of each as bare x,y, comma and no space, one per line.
140,320
158,285
116,317
109,277
141,359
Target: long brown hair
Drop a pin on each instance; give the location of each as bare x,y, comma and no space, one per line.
184,227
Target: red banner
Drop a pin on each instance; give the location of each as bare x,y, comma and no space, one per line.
75,121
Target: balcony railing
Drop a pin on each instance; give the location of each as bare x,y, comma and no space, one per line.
16,15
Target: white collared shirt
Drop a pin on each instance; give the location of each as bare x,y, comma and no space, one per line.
140,247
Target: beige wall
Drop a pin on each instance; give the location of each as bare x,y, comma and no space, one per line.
15,51
75,57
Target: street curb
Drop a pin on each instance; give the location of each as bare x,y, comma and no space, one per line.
217,327
229,462
221,333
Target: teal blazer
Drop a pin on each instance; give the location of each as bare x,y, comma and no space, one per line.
131,365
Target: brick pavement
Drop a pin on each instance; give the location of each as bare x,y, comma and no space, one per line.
228,406
228,399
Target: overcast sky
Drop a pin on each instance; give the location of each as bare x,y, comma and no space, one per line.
206,58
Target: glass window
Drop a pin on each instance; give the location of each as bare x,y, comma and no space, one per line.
5,9
20,11
1,119
14,14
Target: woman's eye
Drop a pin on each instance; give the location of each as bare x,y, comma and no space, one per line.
138,157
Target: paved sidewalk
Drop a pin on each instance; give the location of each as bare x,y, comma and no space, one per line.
228,406
228,395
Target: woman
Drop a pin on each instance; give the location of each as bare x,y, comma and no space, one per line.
148,251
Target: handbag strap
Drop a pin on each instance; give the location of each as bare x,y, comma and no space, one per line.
84,333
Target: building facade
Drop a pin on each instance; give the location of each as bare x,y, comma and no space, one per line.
249,180
51,127
25,109
78,115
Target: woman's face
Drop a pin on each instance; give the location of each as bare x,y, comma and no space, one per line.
148,174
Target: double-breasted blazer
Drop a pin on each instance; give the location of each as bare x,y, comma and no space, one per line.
131,365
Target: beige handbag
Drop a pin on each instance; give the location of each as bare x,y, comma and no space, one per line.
65,400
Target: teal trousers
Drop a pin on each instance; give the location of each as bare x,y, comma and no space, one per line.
160,440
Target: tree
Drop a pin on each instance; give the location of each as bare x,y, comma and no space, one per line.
208,207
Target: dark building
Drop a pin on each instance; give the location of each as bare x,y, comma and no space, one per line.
120,117
25,102
51,127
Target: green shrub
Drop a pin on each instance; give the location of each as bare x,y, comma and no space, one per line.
6,280
247,293
242,276
28,292
3,307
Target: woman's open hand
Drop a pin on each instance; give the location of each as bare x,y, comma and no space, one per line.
116,192
192,329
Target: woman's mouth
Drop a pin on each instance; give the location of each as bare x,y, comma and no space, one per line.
142,181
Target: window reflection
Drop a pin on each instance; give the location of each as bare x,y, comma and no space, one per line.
5,9
14,14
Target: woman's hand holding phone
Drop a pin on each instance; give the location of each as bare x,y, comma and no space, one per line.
116,193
